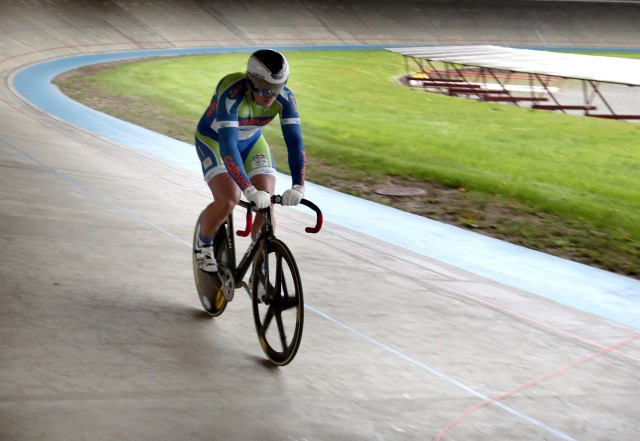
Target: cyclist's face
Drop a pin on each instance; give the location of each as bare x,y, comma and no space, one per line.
262,97
264,101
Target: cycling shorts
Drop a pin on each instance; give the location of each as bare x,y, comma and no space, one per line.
256,157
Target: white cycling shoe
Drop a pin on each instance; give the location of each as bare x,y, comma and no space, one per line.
206,259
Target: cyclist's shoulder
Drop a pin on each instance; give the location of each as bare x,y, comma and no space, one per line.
233,85
286,91
287,99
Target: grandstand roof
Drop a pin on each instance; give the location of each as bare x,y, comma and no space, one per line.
582,67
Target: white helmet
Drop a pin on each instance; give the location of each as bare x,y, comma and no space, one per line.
268,70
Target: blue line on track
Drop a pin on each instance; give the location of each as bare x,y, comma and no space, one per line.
589,289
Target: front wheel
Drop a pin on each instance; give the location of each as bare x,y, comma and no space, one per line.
278,306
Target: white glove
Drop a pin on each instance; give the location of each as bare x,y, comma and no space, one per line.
293,196
261,199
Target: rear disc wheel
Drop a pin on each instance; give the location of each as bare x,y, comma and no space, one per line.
210,287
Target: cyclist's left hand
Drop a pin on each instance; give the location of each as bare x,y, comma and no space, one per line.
293,196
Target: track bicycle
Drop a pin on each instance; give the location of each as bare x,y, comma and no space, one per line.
274,284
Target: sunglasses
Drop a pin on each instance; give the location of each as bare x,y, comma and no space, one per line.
265,93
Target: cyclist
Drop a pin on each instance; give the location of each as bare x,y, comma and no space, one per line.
234,154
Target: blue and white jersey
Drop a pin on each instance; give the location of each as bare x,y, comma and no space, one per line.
234,120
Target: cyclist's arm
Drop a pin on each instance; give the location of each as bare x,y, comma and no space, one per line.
290,123
228,131
228,138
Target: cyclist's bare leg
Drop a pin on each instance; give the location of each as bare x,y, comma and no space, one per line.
266,183
226,195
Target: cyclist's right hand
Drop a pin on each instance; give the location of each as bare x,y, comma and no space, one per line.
261,199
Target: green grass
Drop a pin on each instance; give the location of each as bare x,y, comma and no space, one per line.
359,120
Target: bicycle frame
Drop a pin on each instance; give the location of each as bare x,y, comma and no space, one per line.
266,231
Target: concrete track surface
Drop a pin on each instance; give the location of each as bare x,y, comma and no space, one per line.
102,336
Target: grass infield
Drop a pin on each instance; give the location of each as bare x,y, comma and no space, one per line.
563,184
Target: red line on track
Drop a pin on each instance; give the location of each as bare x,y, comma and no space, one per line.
531,383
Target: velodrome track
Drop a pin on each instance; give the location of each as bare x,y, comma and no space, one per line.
102,334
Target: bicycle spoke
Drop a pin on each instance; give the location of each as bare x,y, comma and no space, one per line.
267,319
279,275
288,301
283,337
281,291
